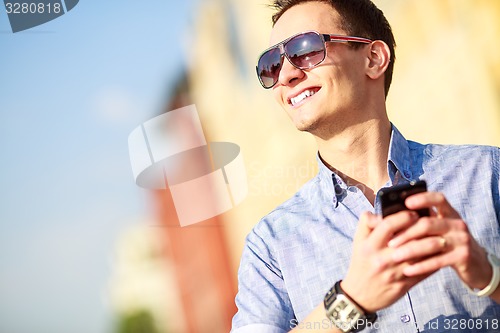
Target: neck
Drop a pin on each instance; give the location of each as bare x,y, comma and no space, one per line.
359,153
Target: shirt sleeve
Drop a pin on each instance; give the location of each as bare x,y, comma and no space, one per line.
262,300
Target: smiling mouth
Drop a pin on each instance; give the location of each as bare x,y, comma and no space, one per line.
303,96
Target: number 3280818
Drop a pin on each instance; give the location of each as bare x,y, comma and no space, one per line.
32,8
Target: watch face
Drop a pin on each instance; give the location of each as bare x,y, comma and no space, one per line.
353,315
338,307
344,314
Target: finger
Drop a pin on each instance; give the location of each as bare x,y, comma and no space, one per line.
373,220
430,200
391,225
365,225
425,226
428,265
418,249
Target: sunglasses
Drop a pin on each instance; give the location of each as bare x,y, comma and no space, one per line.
304,51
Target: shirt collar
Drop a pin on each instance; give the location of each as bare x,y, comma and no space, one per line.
398,166
398,159
330,182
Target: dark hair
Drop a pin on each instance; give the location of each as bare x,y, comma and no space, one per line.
357,18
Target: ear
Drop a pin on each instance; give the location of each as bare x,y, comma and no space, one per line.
379,57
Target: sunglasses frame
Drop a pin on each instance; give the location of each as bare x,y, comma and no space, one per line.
324,37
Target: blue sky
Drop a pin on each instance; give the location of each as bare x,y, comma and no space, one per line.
71,92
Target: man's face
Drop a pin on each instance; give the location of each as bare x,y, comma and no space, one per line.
338,83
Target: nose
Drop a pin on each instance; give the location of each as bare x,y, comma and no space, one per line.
289,73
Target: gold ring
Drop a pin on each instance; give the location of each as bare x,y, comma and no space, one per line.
443,242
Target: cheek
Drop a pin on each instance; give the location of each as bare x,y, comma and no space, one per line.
278,96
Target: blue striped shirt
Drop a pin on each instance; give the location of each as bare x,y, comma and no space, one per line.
294,255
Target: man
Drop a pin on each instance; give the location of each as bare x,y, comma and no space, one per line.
324,261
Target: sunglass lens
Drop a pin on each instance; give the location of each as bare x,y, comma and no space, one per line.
306,50
268,67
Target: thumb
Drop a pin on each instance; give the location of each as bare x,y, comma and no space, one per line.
367,222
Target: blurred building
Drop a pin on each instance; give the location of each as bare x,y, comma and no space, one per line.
142,288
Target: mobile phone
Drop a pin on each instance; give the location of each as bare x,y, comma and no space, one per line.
392,199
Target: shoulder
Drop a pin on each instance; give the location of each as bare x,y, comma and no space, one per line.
454,152
265,239
456,166
286,217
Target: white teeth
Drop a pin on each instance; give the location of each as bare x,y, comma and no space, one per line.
303,95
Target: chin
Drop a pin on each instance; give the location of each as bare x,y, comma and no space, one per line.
306,117
306,125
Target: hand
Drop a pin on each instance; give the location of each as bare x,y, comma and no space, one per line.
374,280
439,241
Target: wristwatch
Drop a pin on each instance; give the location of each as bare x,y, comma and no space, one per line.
495,278
344,313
